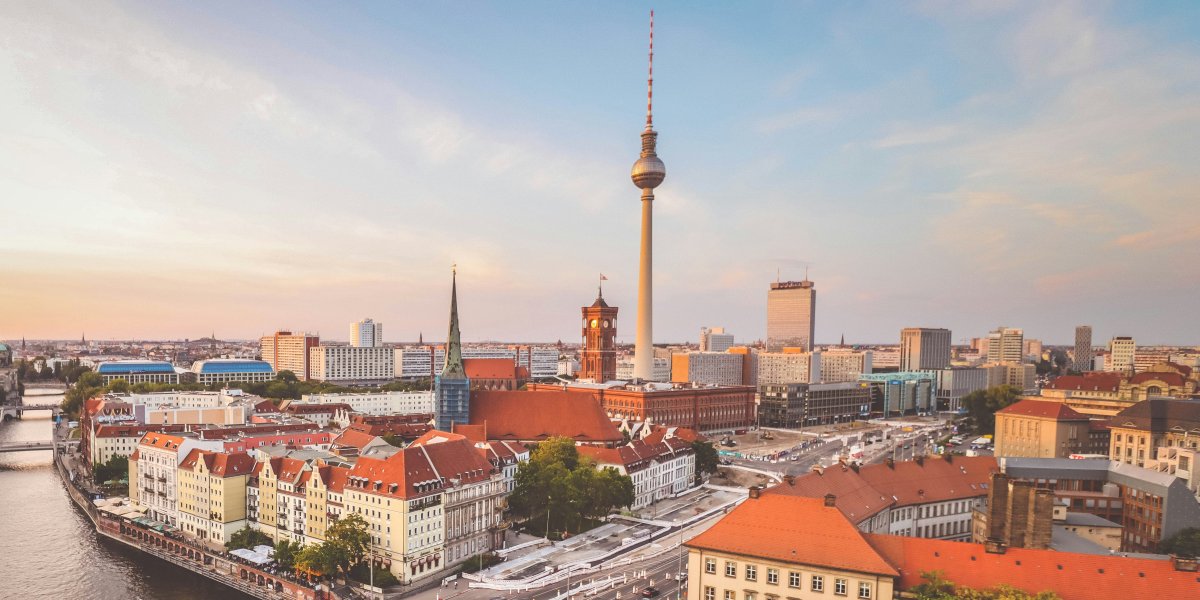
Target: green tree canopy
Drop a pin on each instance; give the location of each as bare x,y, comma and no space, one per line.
937,587
285,553
247,538
983,404
558,485
706,458
1185,543
350,538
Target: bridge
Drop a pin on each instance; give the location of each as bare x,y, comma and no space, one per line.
16,411
26,446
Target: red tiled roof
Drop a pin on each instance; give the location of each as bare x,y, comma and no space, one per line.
289,469
1091,382
533,416
1042,409
795,530
354,438
863,494
490,368
334,477
266,406
120,431
1171,379
475,433
161,440
1071,576
421,469
637,454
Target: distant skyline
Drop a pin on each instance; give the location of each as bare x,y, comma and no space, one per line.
171,169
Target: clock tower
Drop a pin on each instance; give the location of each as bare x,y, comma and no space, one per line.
598,361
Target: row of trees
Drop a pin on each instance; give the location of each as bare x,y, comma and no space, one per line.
344,549
936,587
285,385
567,489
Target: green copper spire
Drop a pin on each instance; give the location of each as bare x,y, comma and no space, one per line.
453,369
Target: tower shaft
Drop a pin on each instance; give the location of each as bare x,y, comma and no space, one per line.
643,350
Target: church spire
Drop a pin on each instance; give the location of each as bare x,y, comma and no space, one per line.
453,367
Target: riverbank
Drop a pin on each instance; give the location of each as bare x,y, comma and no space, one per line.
243,578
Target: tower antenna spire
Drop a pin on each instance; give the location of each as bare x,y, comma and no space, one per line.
650,78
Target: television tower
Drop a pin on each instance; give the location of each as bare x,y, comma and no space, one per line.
648,173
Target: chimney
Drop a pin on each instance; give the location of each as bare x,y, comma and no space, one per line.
920,460
854,466
789,479
994,546
891,464
755,491
1185,564
830,500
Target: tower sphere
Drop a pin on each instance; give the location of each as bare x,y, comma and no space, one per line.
648,172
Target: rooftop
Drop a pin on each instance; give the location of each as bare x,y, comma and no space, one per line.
1043,409
231,365
531,416
132,367
792,529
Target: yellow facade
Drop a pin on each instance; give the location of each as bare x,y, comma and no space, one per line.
725,576
211,506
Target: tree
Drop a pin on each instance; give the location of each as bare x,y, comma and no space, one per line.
320,560
119,386
285,553
1185,543
706,458
115,468
557,485
983,404
286,376
937,587
350,539
247,538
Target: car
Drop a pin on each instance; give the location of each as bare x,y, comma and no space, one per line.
681,577
650,592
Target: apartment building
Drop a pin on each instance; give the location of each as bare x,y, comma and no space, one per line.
351,364
658,470
212,494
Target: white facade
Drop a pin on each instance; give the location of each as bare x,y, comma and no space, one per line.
947,520
366,334
414,362
1006,345
662,369
709,368
789,367
472,511
157,467
715,339
1122,352
349,363
839,365
378,403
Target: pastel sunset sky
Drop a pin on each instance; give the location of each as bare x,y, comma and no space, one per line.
170,169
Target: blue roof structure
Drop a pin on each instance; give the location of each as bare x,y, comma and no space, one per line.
232,365
134,367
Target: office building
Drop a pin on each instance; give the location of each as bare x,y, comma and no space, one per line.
792,405
1039,429
1006,345
789,367
1138,431
661,372
715,339
791,315
956,382
1082,360
1122,351
351,364
378,403
366,334
287,351
923,349
707,368
843,364
903,393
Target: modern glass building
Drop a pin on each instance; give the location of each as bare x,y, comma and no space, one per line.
903,393
221,370
138,371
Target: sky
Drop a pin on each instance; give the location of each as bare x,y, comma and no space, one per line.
170,170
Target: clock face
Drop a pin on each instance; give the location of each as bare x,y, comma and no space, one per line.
593,322
606,323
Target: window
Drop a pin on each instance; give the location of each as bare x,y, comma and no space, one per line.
793,579
773,576
729,595
710,565
818,583
751,573
751,596
839,587
730,569
710,593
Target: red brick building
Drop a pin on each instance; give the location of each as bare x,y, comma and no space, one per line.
695,407
598,360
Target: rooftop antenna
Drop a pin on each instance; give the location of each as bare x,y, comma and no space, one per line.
650,76
806,272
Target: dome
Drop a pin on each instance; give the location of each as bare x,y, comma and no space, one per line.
648,172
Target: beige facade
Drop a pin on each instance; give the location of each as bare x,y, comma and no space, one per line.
287,351
1037,429
212,495
841,365
709,368
923,348
714,575
791,314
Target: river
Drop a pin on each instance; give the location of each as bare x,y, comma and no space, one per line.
49,549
